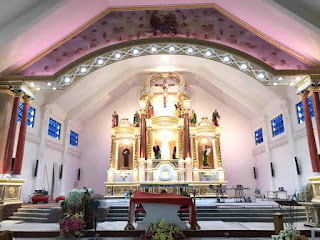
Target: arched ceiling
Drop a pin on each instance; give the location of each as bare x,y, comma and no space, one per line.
98,89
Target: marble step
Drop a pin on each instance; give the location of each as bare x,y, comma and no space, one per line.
31,214
35,210
29,219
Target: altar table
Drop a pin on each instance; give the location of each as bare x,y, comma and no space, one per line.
163,206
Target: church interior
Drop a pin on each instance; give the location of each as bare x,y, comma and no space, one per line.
203,114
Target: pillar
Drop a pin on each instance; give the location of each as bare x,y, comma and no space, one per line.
315,163
143,138
218,150
186,135
22,137
149,145
316,108
7,161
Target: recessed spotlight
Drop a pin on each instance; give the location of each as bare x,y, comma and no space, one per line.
275,84
117,55
208,53
135,51
38,89
153,49
49,83
67,80
54,88
83,69
100,61
243,66
261,75
298,78
172,48
226,59
291,84
280,78
190,50
32,84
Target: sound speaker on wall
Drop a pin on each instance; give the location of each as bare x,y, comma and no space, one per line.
297,165
272,170
12,165
78,174
36,169
254,173
61,170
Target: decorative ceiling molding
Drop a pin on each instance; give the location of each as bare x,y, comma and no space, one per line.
255,31
144,47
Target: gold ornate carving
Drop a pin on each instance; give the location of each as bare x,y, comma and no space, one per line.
136,151
218,149
149,143
304,94
180,142
194,151
314,89
113,151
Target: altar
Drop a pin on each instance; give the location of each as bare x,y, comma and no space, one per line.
165,147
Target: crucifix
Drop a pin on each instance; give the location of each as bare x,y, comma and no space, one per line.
165,86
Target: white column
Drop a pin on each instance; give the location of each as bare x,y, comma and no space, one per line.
142,169
40,181
188,169
181,170
149,170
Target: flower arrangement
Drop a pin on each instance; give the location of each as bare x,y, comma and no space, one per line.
287,234
162,231
72,225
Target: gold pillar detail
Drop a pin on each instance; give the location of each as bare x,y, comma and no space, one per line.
218,149
149,143
113,151
194,151
180,142
136,151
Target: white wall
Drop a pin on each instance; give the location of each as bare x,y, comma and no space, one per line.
236,143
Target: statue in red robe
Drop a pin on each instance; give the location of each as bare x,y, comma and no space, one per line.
115,119
150,110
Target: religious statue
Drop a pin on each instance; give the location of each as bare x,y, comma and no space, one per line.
165,86
174,152
150,110
136,119
193,119
178,109
115,119
157,152
215,118
206,155
126,153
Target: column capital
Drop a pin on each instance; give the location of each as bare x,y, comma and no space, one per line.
27,99
303,94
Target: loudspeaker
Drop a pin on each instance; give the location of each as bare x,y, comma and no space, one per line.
254,173
36,169
297,165
12,166
272,170
79,174
61,170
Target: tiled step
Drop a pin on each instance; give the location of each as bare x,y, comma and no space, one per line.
29,219
32,214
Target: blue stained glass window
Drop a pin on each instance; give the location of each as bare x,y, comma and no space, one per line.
300,112
74,137
31,115
258,136
277,125
54,129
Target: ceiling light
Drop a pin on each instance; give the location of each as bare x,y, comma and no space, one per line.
117,55
297,78
153,49
32,84
261,75
226,59
54,88
208,53
49,83
172,48
100,61
38,89
67,80
275,84
280,78
243,66
292,84
135,51
190,50
83,69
